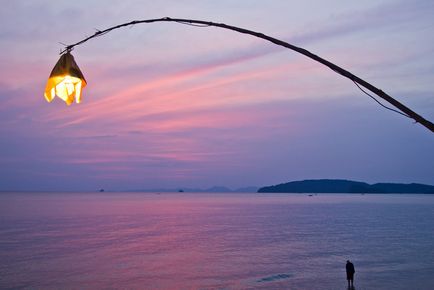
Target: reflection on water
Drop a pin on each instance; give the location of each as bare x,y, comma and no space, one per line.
205,241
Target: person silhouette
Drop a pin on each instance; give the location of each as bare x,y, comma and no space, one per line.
350,273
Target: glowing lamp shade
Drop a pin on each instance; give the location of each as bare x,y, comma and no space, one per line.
66,80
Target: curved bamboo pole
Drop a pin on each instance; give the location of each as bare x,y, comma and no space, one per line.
404,110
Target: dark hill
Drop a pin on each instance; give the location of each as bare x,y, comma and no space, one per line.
346,186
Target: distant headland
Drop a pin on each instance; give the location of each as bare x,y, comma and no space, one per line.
345,186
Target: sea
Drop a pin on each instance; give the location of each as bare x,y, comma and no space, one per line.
127,240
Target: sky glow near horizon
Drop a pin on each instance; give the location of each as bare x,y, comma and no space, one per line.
171,106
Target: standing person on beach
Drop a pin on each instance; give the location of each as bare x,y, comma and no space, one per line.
350,273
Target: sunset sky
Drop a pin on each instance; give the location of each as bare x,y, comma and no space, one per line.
171,106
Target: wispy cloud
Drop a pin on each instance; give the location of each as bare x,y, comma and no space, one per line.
387,17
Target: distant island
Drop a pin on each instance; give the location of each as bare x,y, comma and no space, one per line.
345,186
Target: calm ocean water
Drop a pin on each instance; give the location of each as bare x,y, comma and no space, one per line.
215,241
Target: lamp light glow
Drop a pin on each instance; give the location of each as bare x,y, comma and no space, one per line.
66,80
